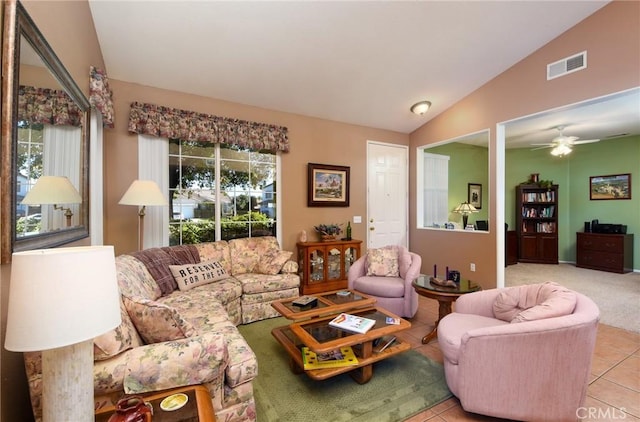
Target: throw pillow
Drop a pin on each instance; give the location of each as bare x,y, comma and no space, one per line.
272,262
157,322
115,341
383,262
189,276
533,302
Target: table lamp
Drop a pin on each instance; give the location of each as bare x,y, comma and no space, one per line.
143,193
465,209
53,190
60,299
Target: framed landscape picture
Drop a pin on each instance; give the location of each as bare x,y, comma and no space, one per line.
614,186
328,185
474,195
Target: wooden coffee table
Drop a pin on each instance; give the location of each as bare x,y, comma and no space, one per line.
329,303
315,333
444,295
198,408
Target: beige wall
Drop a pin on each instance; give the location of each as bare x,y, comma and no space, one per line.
611,37
312,140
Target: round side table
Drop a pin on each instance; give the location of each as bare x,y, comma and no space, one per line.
444,295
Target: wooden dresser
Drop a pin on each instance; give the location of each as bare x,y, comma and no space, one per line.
606,252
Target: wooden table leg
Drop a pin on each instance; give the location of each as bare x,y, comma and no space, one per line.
363,374
444,309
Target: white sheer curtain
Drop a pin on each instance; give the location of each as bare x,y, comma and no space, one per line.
153,164
436,189
61,157
96,179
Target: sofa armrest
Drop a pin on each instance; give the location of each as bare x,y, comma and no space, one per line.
356,271
289,267
194,360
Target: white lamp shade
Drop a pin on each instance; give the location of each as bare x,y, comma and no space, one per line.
61,296
143,192
52,190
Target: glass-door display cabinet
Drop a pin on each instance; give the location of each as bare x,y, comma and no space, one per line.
324,266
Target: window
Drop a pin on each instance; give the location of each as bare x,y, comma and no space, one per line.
436,192
220,192
29,158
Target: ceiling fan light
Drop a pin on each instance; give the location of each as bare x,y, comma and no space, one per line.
421,107
560,150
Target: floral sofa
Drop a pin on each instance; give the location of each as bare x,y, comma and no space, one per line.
180,308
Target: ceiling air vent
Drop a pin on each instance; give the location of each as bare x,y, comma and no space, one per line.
567,65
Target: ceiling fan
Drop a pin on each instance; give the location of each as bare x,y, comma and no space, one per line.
562,144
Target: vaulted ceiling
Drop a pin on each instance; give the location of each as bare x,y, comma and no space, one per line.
357,62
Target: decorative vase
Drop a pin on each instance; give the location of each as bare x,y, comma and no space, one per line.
132,409
302,237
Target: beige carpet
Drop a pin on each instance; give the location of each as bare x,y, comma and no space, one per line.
617,295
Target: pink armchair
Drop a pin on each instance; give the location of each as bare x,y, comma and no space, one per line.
532,370
393,293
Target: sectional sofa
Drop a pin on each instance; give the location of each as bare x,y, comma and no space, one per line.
180,308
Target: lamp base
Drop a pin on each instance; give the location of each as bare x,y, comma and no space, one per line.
465,218
67,383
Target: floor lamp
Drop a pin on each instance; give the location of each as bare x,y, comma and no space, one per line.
60,299
143,193
53,190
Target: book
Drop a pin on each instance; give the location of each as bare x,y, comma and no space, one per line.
353,323
382,343
333,359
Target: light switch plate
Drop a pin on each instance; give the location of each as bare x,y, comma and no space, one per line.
357,219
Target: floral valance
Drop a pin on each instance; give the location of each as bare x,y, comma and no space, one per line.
48,106
100,95
172,123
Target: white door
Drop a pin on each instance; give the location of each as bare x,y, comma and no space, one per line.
387,194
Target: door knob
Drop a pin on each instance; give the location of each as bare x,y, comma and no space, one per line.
372,228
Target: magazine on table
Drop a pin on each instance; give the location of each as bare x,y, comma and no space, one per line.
353,323
333,359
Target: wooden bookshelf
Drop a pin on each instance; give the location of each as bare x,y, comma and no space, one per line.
537,223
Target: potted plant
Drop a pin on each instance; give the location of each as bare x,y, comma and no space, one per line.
328,232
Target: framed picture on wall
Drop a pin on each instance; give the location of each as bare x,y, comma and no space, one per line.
474,195
614,186
328,185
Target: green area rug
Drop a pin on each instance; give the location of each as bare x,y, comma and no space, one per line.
402,386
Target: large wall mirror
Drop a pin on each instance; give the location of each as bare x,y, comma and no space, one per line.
44,133
451,175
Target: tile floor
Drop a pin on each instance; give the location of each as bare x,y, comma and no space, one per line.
614,389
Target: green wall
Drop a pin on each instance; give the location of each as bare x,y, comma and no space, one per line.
467,164
571,173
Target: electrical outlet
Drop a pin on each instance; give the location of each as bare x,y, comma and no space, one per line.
472,266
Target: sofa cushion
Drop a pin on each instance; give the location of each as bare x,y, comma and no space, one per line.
116,341
215,251
272,261
262,283
383,262
453,327
534,301
246,252
157,262
192,275
156,322
380,286
134,280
